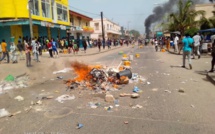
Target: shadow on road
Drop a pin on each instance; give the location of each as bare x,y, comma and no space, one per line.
202,72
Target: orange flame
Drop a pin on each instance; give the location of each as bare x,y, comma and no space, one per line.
82,71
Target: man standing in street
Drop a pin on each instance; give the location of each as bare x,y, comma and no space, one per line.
28,54
187,41
197,40
4,51
176,39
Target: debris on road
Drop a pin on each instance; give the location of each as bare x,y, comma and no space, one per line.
94,105
154,89
79,126
109,97
11,82
65,70
135,95
39,102
14,114
19,98
4,113
192,106
136,89
125,122
137,106
63,98
168,91
181,90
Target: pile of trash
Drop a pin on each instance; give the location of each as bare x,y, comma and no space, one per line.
11,82
100,78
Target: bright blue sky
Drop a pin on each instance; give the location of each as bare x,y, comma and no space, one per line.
126,13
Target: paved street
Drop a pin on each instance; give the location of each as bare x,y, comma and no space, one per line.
164,109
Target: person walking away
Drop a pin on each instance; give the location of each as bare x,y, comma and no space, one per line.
20,47
84,45
109,43
54,48
187,49
13,53
213,58
99,43
34,45
28,54
197,40
75,47
37,50
156,45
4,51
176,39
49,45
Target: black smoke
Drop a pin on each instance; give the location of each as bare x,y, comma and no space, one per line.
159,12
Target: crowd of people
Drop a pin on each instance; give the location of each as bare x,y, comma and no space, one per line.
25,47
191,46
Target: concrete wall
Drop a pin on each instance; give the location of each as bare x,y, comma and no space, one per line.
208,8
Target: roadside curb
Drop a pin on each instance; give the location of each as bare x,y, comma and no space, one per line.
211,77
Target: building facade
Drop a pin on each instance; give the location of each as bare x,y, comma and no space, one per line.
111,29
49,17
208,8
80,25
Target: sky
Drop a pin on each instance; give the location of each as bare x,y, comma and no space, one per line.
130,14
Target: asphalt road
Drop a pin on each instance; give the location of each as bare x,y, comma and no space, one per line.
164,110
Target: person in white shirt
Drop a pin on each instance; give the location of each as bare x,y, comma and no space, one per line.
197,40
176,39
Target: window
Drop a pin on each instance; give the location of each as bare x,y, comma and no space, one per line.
96,25
35,7
86,24
79,21
72,20
62,12
46,8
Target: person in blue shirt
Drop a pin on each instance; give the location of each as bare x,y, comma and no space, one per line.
54,47
187,49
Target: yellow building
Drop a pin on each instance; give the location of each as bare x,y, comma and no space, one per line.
50,18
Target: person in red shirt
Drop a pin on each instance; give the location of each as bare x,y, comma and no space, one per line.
49,45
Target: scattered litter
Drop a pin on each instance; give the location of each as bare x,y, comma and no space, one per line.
168,91
109,108
63,98
9,78
11,82
154,89
14,114
65,70
183,82
136,89
79,126
137,106
109,98
19,98
181,90
116,102
39,102
192,106
47,97
94,105
135,95
125,95
60,77
3,113
125,122
148,83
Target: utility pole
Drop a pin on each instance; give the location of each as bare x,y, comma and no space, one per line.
103,35
30,18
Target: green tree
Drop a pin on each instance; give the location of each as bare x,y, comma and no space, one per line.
135,33
184,19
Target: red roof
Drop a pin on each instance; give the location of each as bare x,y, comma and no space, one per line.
80,15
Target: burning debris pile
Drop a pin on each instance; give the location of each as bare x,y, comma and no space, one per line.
98,77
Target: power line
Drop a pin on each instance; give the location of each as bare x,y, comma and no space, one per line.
84,11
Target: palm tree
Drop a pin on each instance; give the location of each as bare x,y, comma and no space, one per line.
184,19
